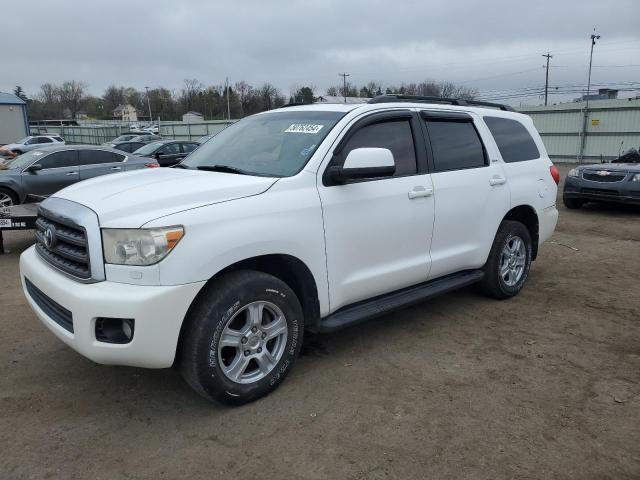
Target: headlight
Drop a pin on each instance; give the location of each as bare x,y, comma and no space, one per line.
139,246
574,172
635,177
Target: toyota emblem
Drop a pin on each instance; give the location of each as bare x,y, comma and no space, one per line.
49,238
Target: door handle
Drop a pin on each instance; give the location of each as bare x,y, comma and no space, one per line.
116,168
71,173
420,192
497,180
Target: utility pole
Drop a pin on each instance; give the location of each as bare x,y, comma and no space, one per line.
546,82
583,138
149,105
228,107
344,83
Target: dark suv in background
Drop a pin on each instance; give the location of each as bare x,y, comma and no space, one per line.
167,152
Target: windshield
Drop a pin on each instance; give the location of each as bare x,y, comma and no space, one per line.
23,160
275,144
148,148
23,140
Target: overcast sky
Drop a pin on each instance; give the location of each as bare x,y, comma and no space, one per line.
490,45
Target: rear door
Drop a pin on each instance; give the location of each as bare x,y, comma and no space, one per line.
471,195
95,163
59,169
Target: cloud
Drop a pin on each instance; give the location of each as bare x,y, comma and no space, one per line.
491,45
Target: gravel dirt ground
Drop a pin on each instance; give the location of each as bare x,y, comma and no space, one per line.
545,385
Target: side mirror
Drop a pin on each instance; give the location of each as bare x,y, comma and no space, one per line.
157,155
36,167
364,163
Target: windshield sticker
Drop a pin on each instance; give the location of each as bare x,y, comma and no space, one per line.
303,128
305,151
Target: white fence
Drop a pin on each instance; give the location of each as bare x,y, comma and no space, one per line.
97,134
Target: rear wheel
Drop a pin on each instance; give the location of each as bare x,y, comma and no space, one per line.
509,261
7,198
242,337
572,202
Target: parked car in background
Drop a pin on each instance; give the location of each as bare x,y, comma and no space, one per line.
146,138
33,142
151,129
40,173
128,147
602,182
167,152
126,137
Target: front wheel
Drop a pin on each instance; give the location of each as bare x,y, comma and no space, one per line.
7,198
509,261
242,337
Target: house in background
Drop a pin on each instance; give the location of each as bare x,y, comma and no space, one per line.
192,117
126,113
13,118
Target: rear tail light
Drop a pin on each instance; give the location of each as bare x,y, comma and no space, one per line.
151,165
555,174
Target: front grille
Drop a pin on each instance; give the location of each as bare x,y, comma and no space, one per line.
66,247
600,191
54,311
611,177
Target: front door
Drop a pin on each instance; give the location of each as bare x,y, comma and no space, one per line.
59,169
378,231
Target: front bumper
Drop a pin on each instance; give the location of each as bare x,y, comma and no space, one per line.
587,190
158,312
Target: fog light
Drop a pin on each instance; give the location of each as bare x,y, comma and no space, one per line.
115,330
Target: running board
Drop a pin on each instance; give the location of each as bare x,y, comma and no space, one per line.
375,307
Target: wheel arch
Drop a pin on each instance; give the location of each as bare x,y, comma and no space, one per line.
13,191
291,270
527,215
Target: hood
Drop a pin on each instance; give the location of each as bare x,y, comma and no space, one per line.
131,199
10,146
614,167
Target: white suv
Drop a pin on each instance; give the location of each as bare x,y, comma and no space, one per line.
313,217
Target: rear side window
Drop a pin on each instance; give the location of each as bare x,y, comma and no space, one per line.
44,140
95,157
66,158
513,139
455,145
395,135
59,139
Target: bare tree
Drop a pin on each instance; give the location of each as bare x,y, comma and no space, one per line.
192,88
72,94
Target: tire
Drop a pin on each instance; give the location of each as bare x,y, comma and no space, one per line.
223,314
17,152
507,268
8,198
572,203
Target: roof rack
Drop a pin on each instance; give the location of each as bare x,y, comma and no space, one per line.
389,98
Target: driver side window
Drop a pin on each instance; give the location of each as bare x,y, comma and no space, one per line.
395,135
66,158
170,149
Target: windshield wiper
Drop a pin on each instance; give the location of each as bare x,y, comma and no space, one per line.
179,165
223,169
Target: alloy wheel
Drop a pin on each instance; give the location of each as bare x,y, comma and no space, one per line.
513,260
252,342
